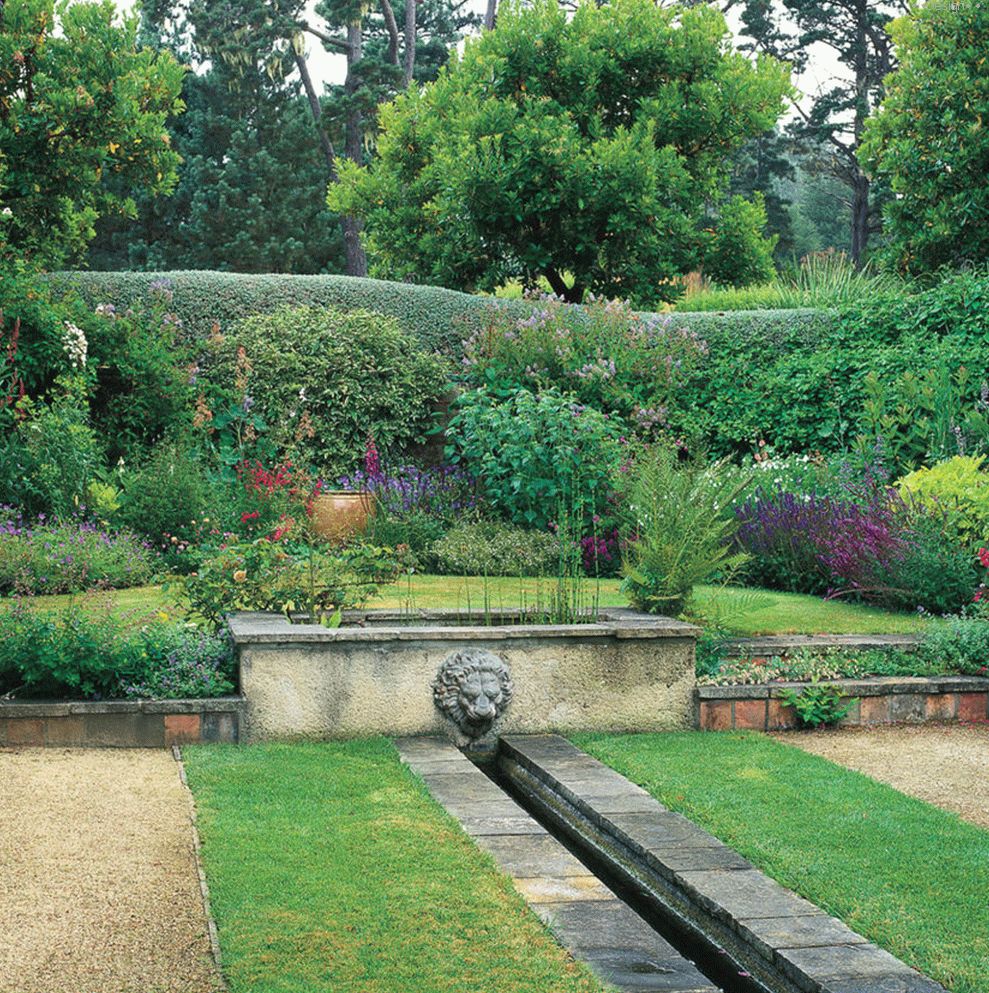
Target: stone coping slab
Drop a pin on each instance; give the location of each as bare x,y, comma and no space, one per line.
781,939
443,625
65,708
587,918
873,686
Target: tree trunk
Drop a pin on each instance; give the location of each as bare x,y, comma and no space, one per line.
353,149
490,15
860,219
410,40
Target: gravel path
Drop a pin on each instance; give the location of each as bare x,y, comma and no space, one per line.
98,885
944,764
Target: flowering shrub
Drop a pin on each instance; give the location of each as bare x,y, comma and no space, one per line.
69,556
604,353
182,663
445,492
88,652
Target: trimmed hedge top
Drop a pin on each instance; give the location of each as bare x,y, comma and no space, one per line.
440,318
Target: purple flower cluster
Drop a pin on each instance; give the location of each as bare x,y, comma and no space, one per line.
439,491
881,549
601,554
45,556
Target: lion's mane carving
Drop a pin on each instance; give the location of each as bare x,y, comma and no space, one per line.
473,688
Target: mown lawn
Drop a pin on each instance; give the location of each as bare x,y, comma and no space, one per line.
741,610
332,871
909,876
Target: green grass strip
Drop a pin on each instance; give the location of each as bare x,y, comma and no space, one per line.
741,610
332,871
909,876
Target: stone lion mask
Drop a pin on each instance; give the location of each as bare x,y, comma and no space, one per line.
473,688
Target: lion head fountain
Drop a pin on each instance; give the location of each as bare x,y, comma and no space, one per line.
473,688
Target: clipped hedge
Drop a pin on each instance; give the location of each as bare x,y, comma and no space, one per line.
440,318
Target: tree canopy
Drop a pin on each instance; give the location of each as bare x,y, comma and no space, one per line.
82,123
595,145
930,138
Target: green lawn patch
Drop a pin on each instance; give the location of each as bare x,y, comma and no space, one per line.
907,875
741,610
332,871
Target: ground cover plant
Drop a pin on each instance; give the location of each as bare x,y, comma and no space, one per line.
358,882
908,876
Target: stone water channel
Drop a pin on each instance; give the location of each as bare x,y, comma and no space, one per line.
648,900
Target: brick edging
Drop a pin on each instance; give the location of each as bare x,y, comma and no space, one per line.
759,706
119,723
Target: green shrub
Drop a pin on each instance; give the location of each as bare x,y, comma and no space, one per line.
49,458
287,578
683,525
817,705
960,486
324,380
959,644
535,453
487,548
168,496
88,652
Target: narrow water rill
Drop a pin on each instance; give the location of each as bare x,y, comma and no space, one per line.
646,898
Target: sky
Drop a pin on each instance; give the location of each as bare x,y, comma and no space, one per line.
326,67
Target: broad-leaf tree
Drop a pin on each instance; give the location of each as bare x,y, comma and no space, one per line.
82,123
930,138
592,151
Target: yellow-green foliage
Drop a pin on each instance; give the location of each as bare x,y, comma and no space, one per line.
959,485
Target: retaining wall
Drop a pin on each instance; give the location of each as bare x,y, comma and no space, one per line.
120,723
760,707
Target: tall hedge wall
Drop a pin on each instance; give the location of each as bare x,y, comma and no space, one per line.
440,318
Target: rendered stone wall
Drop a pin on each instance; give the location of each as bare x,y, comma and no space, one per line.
634,673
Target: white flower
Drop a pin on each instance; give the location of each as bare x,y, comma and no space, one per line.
74,345
6,212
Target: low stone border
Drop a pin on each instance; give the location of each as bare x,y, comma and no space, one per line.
703,890
759,707
120,723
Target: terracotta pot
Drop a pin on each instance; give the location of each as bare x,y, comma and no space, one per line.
340,514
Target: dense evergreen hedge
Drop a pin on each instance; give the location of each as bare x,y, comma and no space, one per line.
440,318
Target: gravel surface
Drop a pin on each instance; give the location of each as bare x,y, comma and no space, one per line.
98,884
944,764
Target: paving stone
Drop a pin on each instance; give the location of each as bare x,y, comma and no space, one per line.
812,930
563,889
634,970
479,826
431,748
628,804
677,858
600,786
859,962
426,767
744,894
596,924
661,830
467,808
531,855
